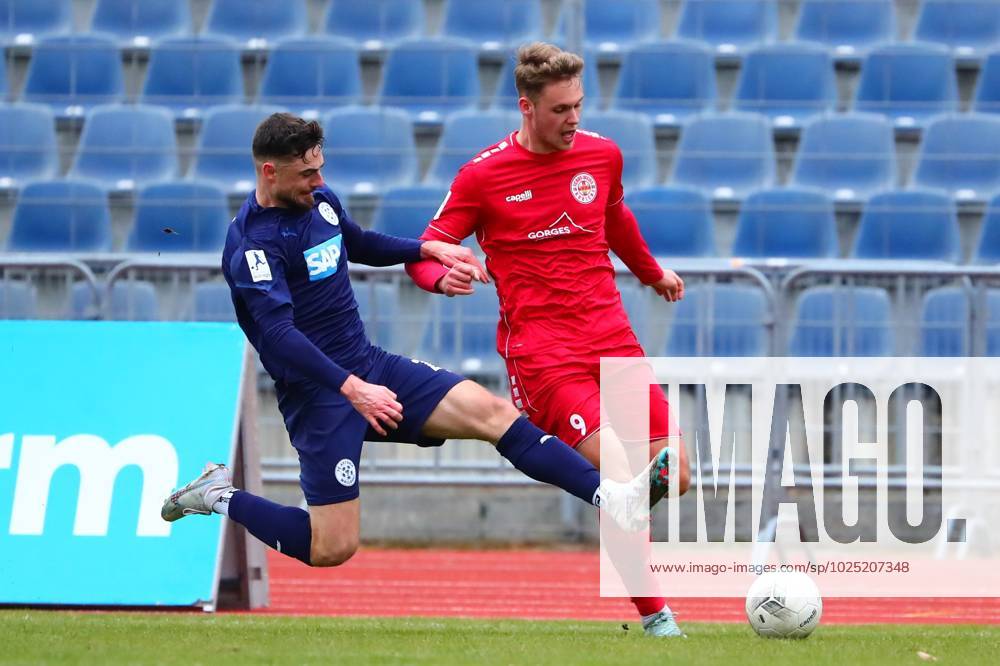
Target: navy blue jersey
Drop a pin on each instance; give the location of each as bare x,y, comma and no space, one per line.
290,284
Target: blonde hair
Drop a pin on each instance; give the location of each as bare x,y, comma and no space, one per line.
539,64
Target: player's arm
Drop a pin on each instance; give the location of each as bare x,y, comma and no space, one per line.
624,238
265,292
373,248
455,220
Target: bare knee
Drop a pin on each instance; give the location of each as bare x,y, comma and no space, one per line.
497,416
332,553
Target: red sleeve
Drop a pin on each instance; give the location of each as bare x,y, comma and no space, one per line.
457,218
622,231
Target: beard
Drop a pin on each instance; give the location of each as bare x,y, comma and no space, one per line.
292,202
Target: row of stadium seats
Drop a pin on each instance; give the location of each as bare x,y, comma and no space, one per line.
847,26
712,320
430,79
798,223
728,155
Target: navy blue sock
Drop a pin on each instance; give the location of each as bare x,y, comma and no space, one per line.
284,528
546,458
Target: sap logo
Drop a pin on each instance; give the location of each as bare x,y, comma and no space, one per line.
98,464
322,259
519,198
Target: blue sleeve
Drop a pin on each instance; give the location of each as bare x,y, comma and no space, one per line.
258,272
371,247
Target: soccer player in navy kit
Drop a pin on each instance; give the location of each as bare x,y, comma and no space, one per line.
285,260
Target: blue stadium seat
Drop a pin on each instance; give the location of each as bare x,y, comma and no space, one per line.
633,132
789,83
312,75
850,155
133,300
612,27
378,307
190,74
463,333
27,144
961,154
4,92
966,26
464,135
223,152
844,321
179,216
506,95
788,222
430,78
406,211
257,23
986,98
720,320
729,25
493,25
993,322
727,154
127,146
988,246
18,300
375,23
61,216
848,28
674,221
22,22
138,22
372,149
212,302
908,224
908,82
667,100
74,73
944,323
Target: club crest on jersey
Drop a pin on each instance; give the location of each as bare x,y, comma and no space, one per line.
583,187
322,259
328,213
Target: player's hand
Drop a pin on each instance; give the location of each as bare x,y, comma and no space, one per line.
670,286
458,280
376,403
449,254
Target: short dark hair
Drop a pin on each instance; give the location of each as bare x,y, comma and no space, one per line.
283,135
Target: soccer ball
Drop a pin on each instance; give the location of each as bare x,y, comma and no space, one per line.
784,605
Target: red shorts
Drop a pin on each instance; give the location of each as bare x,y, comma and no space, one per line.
564,397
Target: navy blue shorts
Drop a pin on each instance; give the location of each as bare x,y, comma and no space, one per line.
327,432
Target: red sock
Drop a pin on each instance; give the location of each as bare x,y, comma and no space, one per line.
649,605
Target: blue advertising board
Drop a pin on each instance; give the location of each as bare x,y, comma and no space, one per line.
99,421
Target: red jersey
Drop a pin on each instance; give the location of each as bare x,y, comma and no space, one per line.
546,223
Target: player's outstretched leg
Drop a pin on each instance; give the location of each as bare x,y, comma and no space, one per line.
470,411
284,528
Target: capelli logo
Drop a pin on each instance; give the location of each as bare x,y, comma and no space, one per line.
520,198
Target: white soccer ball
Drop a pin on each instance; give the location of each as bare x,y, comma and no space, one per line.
784,605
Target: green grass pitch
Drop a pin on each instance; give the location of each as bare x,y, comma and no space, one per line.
60,637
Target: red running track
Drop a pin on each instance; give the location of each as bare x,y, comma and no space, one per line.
532,584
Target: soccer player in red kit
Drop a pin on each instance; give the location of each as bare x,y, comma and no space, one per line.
546,205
